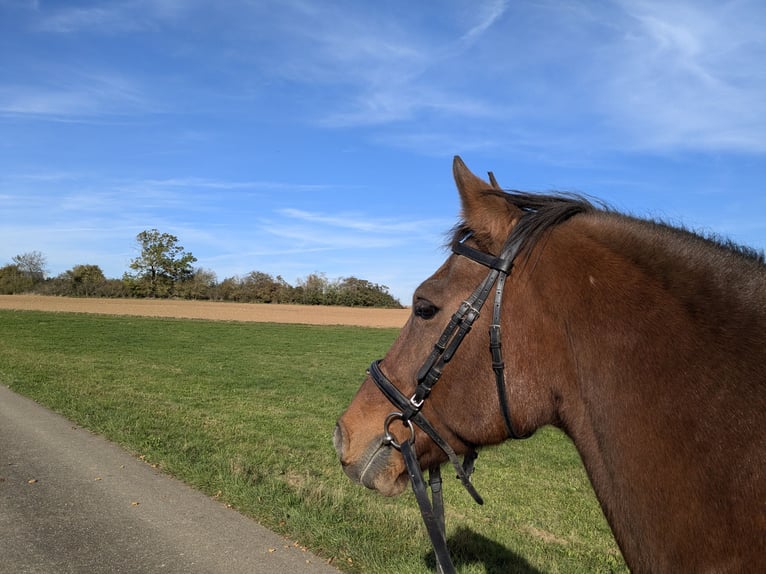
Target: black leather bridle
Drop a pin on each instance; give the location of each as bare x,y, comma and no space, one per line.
409,409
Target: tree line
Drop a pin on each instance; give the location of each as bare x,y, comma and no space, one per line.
164,270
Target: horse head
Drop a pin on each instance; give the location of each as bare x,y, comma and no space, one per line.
464,409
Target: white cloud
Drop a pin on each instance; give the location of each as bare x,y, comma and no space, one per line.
201,183
113,17
362,222
647,75
489,14
622,75
75,19
690,76
60,94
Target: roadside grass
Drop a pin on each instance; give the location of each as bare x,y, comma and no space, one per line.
245,411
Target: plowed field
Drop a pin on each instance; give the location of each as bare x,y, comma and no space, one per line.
215,311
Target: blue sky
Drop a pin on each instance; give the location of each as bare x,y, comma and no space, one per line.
301,136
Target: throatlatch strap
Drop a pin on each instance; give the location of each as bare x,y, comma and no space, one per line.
498,365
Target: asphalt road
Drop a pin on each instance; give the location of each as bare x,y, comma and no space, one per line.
72,502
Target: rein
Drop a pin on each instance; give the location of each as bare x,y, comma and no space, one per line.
409,409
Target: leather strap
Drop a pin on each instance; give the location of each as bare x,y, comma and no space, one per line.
501,264
432,513
405,405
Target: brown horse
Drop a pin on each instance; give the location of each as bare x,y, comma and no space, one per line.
644,343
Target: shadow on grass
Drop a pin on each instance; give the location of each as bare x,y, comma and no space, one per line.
468,547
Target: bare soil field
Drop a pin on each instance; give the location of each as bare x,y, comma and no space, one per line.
214,311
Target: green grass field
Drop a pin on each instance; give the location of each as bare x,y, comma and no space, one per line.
245,412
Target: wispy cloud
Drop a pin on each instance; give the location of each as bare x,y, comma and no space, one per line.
113,17
201,183
71,20
362,222
647,75
489,14
678,80
382,70
72,94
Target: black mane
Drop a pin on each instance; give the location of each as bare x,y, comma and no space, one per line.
541,212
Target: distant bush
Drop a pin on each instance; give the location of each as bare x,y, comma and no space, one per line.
82,281
255,287
315,289
14,280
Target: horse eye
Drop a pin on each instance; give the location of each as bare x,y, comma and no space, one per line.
425,309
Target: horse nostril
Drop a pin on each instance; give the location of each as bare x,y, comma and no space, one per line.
337,440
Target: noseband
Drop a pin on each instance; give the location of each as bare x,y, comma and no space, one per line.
409,409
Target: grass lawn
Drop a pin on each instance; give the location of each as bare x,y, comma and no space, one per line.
245,411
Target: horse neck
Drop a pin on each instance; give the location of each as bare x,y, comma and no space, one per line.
658,401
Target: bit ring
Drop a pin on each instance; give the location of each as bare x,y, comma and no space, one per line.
388,437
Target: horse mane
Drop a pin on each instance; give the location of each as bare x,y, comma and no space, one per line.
540,213
715,240
544,211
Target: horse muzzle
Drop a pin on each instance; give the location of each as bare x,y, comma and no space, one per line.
378,467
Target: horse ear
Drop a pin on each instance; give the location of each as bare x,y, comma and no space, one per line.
493,181
487,214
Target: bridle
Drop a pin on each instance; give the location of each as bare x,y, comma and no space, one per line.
409,409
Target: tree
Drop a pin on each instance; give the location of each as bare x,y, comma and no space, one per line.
85,279
200,285
21,276
161,265
259,287
356,292
312,289
13,280
228,289
79,281
32,264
